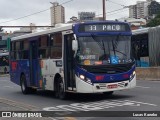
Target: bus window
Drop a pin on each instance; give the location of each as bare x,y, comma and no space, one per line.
43,51
24,48
17,45
56,46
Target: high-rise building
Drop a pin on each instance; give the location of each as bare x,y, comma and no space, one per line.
57,13
140,10
133,11
86,16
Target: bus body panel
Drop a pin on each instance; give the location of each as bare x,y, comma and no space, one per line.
48,72
19,67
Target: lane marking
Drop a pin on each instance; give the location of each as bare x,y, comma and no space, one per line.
140,102
96,106
143,87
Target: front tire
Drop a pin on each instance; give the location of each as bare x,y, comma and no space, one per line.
59,89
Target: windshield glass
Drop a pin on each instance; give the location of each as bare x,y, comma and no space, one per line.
98,50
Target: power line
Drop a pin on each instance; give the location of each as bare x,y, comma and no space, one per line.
33,13
117,3
112,11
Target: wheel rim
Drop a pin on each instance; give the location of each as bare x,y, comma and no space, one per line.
61,87
23,86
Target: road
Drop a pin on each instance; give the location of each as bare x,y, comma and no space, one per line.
145,97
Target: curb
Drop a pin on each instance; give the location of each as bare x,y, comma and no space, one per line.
19,105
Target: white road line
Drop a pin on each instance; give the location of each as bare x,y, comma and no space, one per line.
142,102
143,87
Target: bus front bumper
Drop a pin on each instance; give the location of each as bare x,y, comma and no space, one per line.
83,87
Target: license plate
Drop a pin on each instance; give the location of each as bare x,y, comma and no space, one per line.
112,86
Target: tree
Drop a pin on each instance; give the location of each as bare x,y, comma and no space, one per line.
1,30
154,22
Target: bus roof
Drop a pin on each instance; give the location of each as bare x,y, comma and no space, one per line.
56,29
60,27
140,31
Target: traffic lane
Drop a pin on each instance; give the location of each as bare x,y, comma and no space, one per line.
146,91
46,98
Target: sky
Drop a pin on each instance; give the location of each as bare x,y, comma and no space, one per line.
13,9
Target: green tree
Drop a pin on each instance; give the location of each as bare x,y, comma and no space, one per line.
154,22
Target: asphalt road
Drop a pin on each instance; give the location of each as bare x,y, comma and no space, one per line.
145,97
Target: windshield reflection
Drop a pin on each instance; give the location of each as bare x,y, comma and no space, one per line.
105,50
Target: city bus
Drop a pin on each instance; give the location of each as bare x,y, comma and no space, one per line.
145,46
4,62
90,57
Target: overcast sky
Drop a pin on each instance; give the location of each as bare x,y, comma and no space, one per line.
12,9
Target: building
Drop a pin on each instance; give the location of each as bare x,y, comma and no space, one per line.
133,11
32,27
86,16
98,19
57,13
73,19
135,23
140,10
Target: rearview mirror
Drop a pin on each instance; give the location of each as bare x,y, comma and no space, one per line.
74,45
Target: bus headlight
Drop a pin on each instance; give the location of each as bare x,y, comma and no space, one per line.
132,75
82,77
87,80
134,72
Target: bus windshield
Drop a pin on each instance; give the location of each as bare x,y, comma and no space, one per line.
101,50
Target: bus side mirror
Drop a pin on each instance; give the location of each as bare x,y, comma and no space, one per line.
74,45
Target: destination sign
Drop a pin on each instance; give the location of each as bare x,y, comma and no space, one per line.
104,28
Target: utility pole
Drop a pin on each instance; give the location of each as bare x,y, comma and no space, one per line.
104,9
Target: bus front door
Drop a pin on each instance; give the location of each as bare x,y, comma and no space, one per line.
69,73
33,63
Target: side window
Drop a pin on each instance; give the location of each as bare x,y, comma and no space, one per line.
56,46
13,44
25,49
17,45
43,51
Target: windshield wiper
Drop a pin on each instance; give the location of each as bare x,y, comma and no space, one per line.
101,46
114,45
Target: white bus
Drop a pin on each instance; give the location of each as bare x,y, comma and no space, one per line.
145,46
93,57
4,62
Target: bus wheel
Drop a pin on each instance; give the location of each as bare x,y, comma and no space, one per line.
59,91
24,88
108,93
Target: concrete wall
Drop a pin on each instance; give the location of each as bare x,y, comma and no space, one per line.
151,73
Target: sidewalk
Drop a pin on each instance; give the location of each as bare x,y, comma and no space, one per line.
9,105
150,73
